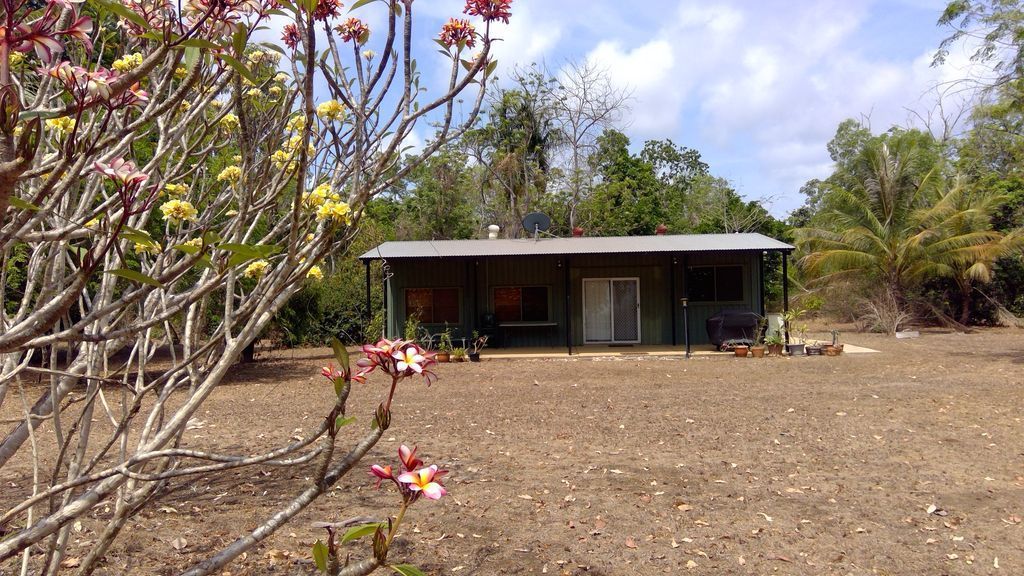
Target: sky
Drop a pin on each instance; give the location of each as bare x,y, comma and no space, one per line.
758,87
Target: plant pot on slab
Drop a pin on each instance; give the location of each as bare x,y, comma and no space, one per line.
795,349
834,350
741,351
758,351
474,356
443,357
775,349
814,350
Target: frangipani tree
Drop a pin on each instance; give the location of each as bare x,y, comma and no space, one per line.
166,181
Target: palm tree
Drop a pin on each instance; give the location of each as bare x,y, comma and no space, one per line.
868,228
897,224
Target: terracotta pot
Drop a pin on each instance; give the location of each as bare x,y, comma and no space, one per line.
741,351
758,351
834,350
443,357
775,349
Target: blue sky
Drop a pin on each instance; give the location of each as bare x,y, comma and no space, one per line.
757,87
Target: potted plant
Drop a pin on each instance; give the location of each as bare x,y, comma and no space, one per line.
458,355
775,343
758,349
797,348
813,348
444,346
835,348
789,319
740,348
476,345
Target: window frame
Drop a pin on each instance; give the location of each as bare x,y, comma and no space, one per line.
431,322
521,287
714,268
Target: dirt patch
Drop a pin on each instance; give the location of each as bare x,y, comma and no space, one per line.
638,466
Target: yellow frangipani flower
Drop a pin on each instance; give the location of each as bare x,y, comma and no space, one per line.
176,211
296,123
180,72
15,58
282,77
310,237
64,125
175,189
257,269
315,273
256,56
229,122
338,212
195,243
274,90
254,93
316,197
282,160
216,104
153,249
231,213
330,111
231,174
237,159
128,62
94,223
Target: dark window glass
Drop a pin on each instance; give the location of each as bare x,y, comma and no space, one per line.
433,305
702,284
535,304
515,304
419,302
508,304
715,284
729,283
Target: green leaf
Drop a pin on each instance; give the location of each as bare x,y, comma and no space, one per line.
138,236
340,353
407,570
188,249
191,57
251,250
343,421
320,556
360,4
211,238
135,276
311,6
240,68
23,204
122,11
360,531
239,38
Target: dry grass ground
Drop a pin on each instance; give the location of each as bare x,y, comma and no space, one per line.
639,466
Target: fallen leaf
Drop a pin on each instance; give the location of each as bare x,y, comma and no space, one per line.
630,543
179,543
690,564
766,517
742,561
526,497
674,543
71,562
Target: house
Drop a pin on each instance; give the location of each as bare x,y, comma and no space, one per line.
573,292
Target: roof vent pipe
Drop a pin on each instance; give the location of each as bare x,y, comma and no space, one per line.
661,230
577,232
492,231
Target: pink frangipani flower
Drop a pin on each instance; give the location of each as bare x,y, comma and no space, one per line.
411,358
408,457
425,481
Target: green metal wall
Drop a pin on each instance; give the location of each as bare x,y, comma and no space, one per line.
476,278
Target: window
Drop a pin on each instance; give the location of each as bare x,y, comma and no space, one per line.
433,305
715,283
521,304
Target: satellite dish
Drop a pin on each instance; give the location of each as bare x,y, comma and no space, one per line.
536,222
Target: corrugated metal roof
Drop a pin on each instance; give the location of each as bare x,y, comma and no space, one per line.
569,246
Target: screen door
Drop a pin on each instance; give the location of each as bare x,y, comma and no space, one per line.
611,310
